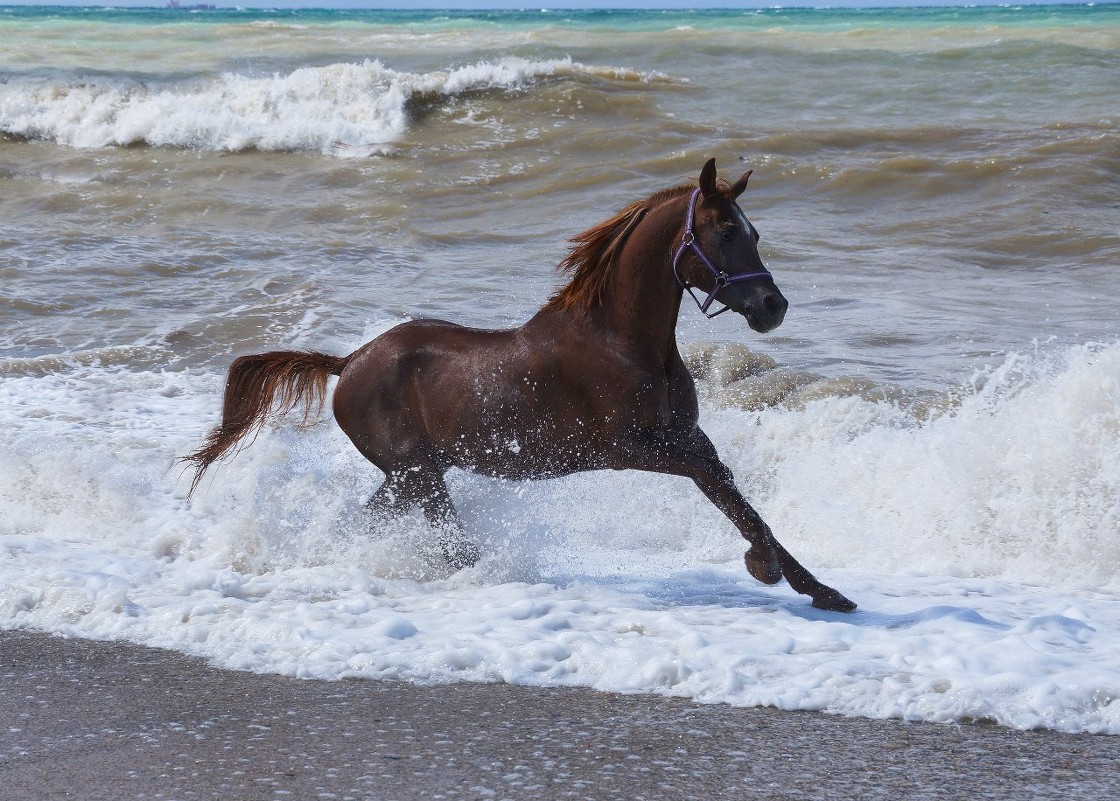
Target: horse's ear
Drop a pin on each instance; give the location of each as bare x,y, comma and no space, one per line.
740,185
708,179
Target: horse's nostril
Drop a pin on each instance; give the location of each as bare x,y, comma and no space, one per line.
775,304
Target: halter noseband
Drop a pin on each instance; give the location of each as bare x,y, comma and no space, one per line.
720,279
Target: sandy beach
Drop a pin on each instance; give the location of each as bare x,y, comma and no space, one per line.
112,720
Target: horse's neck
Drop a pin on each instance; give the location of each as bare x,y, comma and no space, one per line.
643,298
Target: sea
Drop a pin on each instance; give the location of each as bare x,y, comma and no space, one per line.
934,430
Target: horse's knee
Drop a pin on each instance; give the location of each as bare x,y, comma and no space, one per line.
762,563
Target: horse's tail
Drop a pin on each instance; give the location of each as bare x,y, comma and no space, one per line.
255,384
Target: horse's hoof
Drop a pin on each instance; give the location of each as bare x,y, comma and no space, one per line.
768,571
460,554
833,601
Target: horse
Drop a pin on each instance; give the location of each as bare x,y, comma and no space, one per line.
593,381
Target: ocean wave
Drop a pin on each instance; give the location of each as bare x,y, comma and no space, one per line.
341,109
1015,476
979,541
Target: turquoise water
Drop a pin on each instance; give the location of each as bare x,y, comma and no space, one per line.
832,20
822,18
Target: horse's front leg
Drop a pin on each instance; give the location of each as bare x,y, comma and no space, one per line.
799,578
694,456
716,481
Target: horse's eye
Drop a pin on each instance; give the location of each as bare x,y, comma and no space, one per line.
727,234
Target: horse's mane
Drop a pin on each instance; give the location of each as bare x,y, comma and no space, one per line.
593,252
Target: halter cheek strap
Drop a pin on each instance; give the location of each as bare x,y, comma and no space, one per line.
720,279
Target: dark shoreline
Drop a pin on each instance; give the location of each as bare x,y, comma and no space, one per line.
100,720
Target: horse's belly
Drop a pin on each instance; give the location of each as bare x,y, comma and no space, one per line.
504,452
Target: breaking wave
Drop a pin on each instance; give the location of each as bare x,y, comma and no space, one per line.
339,109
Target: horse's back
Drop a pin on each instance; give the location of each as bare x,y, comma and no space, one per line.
421,347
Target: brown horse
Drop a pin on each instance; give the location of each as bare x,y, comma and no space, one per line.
593,381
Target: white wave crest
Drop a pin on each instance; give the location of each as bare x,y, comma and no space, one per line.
1019,480
363,108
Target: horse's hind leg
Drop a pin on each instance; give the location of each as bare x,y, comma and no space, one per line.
436,503
425,487
394,496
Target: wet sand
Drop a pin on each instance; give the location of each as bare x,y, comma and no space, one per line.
96,720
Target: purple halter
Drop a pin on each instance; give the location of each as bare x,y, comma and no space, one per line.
719,277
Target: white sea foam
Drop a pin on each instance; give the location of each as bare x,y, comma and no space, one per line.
981,544
344,109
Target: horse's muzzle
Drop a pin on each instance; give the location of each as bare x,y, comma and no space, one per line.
763,306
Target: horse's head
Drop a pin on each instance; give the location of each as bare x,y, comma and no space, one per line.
723,249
